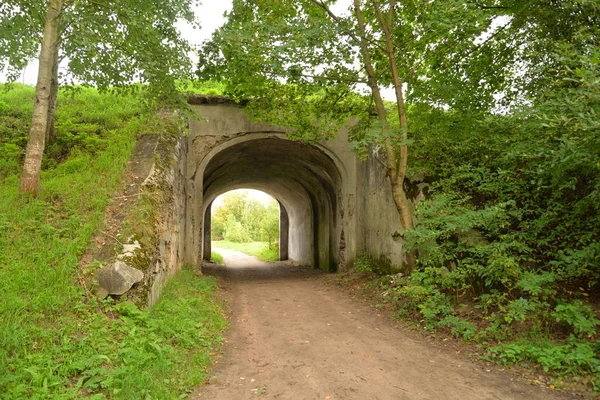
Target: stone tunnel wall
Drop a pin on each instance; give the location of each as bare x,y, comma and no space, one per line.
338,206
170,164
166,182
147,225
378,219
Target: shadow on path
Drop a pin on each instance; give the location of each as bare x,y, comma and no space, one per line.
240,267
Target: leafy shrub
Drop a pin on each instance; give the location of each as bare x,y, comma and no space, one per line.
511,219
579,316
459,327
235,231
518,310
427,300
364,263
571,358
4,108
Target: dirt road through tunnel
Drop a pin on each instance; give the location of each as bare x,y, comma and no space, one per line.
294,337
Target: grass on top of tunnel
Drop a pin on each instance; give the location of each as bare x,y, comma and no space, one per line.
259,250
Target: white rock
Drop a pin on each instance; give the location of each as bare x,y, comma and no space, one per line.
118,278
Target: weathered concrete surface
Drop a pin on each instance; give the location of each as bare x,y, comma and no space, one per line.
373,206
227,151
336,205
156,171
168,182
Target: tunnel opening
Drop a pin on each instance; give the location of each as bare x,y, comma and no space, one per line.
248,221
302,178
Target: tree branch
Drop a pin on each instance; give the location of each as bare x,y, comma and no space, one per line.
348,32
330,78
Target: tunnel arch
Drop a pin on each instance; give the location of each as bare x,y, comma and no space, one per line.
343,206
303,178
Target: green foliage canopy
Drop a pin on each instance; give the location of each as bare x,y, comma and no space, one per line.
107,44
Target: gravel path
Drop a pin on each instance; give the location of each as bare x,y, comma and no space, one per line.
293,337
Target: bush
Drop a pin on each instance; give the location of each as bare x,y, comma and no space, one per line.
580,317
235,231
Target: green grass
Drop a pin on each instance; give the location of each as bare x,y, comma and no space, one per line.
209,88
216,258
166,351
56,340
258,249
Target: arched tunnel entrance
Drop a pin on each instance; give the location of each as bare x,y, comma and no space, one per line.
303,178
334,205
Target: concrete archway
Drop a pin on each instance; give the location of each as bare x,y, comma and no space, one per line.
303,179
336,205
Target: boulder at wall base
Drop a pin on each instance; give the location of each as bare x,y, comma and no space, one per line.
118,278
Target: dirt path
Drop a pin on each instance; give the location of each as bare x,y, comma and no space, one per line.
293,337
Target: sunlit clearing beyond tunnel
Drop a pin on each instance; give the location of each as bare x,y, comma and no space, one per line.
246,220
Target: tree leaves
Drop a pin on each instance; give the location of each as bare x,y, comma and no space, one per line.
107,44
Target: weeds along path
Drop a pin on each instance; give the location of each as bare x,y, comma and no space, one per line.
293,337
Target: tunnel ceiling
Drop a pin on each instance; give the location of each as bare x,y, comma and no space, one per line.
277,166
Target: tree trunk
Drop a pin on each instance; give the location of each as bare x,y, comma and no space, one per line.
402,203
396,167
50,135
406,218
30,179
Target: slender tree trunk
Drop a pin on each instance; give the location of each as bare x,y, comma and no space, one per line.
402,203
30,179
396,163
50,135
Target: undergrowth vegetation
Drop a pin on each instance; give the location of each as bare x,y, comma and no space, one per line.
216,258
508,236
56,340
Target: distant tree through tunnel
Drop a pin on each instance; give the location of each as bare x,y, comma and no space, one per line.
246,220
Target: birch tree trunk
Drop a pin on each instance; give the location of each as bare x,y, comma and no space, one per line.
30,178
53,98
396,161
402,203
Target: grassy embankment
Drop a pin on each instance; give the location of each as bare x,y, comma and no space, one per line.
260,250
56,340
